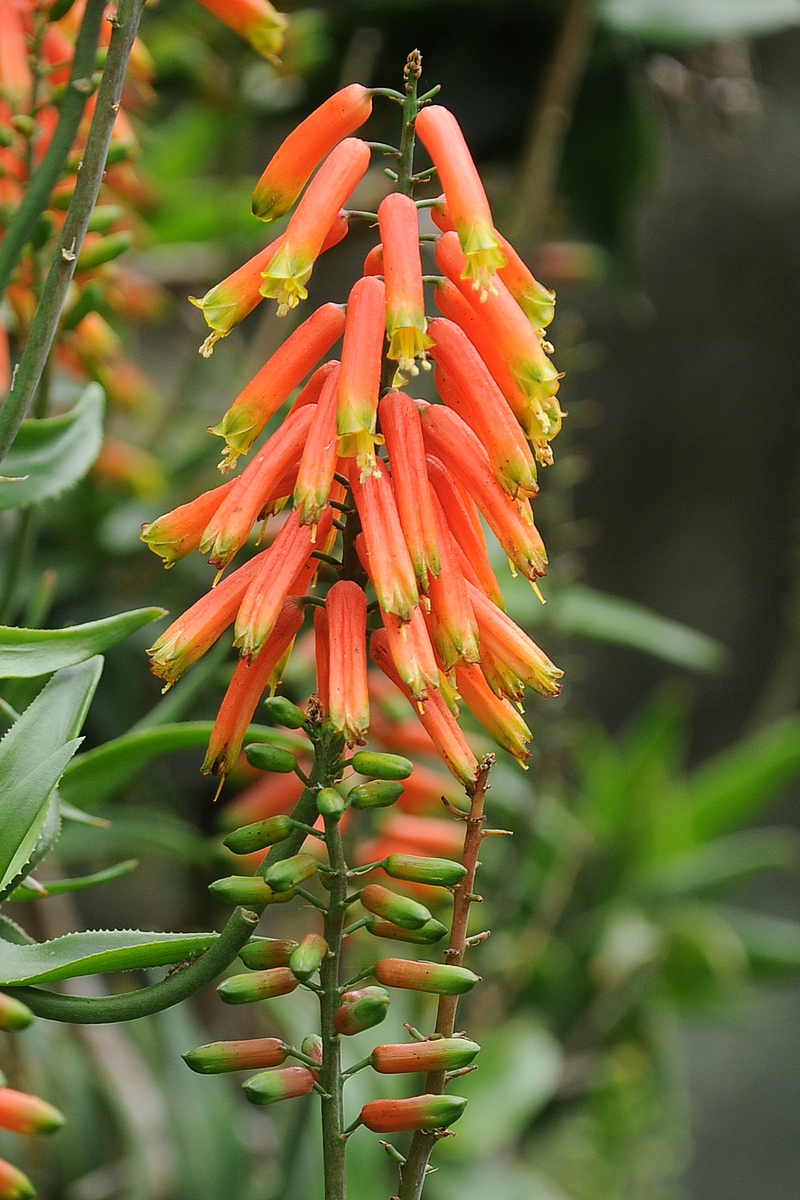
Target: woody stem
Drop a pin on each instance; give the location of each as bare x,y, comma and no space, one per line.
413,1171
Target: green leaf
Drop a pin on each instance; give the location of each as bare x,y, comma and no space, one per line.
721,863
96,775
57,887
141,832
733,787
673,21
96,951
49,455
772,943
520,1066
26,653
33,755
10,931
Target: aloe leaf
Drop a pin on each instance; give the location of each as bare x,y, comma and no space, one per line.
94,952
49,455
26,653
722,863
57,887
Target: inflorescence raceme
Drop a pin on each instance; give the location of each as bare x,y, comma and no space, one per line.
389,494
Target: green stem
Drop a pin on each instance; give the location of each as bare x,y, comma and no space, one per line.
79,88
90,176
405,170
18,552
333,1144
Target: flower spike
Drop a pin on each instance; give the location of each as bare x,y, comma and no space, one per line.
401,427
293,163
284,371
406,325
360,379
254,20
441,135
346,606
389,562
288,272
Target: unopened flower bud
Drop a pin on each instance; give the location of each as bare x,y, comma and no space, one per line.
311,1046
417,1112
261,985
361,1009
381,766
247,1055
401,910
432,931
443,872
285,1084
378,794
287,873
425,976
264,757
98,249
262,953
14,1014
241,889
262,833
26,1114
330,803
308,956
13,1184
439,1054
280,711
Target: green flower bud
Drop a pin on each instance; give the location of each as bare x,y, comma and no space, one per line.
381,766
306,959
107,249
432,931
282,876
361,1009
241,889
406,913
425,976
438,1054
14,1014
261,985
105,217
262,953
378,794
259,834
280,711
417,1112
251,1054
442,871
311,1046
265,757
330,803
271,1086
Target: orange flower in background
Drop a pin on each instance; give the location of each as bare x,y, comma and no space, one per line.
406,323
348,697
400,425
469,209
16,80
298,156
288,272
360,379
276,380
254,20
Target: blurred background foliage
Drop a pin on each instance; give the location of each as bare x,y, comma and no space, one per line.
649,890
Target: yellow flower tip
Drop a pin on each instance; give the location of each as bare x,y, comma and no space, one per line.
537,591
284,280
221,785
513,569
207,348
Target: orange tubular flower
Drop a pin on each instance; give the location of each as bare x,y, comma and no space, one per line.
401,428
469,389
360,380
226,305
373,263
469,209
320,454
406,325
245,690
452,621
390,565
280,566
469,539
497,716
196,630
267,391
16,81
436,717
513,647
451,440
230,526
322,656
293,163
346,606
179,532
536,301
288,272
26,1114
510,329
312,391
254,20
13,1184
